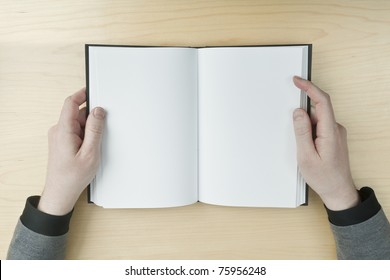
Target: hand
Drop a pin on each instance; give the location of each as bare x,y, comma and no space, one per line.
74,155
324,162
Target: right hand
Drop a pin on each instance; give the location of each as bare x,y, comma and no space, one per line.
324,161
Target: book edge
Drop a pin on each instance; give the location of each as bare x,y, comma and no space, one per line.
87,106
310,46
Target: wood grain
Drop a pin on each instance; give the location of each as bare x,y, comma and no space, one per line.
42,62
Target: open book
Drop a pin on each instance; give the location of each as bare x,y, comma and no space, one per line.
210,124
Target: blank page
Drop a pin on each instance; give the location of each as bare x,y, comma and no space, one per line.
149,150
247,151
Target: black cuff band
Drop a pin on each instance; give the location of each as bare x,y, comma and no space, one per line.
41,222
367,208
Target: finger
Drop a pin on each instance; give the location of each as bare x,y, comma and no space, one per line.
70,109
93,132
82,120
303,135
82,117
313,115
326,122
342,131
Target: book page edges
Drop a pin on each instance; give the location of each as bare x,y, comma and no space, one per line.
302,187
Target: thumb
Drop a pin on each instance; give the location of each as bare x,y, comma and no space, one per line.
93,131
303,134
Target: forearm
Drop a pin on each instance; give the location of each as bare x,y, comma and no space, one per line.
363,231
39,235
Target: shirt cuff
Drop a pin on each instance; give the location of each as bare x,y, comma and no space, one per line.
41,222
367,208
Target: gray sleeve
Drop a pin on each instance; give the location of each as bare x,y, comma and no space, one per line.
29,245
366,240
39,235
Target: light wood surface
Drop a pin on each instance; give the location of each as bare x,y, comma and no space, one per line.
42,62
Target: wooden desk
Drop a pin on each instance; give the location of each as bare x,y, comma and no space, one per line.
42,62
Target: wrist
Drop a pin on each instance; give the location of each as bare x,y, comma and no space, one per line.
341,200
365,210
55,204
41,222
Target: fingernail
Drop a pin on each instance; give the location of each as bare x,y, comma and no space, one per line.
99,113
298,114
298,78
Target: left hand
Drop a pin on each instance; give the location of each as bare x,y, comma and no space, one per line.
74,155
